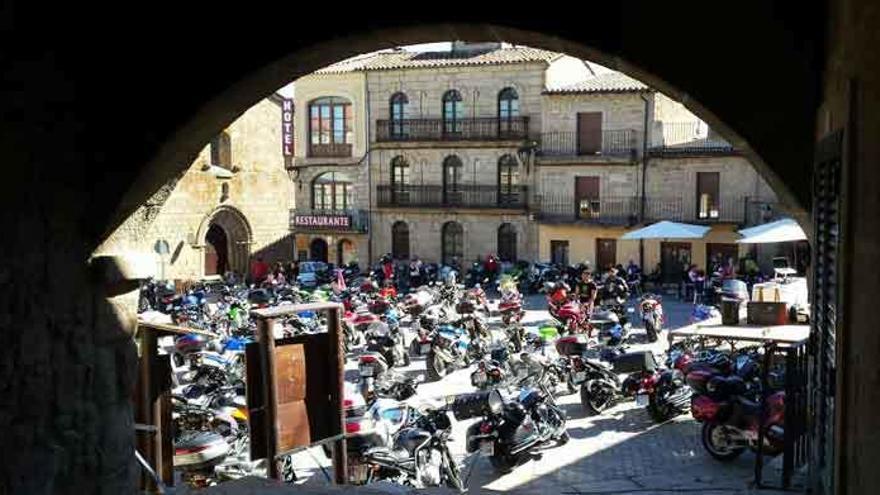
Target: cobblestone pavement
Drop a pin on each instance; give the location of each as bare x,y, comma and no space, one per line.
620,451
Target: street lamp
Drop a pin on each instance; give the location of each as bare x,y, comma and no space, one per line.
526,152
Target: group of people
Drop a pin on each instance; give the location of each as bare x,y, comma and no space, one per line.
264,274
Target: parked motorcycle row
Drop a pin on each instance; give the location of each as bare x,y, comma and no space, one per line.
518,372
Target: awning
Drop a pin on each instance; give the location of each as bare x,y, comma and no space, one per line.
785,230
668,230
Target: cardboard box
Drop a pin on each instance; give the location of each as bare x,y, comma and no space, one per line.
767,313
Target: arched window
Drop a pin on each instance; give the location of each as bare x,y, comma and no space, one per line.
399,180
507,242
452,243
332,191
398,114
221,150
508,110
508,180
400,240
452,190
452,112
330,127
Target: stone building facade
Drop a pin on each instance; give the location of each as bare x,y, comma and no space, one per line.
231,205
513,151
331,222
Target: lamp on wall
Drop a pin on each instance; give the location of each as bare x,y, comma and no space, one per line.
526,152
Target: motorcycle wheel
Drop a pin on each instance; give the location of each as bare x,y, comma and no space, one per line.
563,438
710,438
453,474
594,401
435,368
143,304
660,413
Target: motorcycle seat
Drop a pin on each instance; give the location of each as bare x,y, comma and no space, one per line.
598,363
386,453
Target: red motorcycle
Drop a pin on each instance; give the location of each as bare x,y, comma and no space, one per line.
562,306
731,418
511,308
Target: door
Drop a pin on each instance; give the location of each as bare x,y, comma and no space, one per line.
318,250
589,133
559,252
707,195
675,258
606,253
586,197
719,254
216,251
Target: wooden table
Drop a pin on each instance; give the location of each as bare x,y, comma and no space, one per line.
780,334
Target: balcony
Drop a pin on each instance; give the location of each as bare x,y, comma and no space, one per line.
473,129
606,210
615,143
330,150
687,139
316,220
464,196
726,209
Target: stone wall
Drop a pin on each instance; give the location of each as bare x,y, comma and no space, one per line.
619,111
479,87
257,188
557,182
480,232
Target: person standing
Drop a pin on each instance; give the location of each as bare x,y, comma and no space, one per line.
586,291
259,270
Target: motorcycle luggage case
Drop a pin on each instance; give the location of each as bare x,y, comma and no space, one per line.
478,404
632,362
572,345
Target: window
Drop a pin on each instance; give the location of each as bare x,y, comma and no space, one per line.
559,252
400,240
332,191
452,243
452,112
221,150
707,195
398,113
399,180
508,110
508,180
330,127
586,197
507,242
452,191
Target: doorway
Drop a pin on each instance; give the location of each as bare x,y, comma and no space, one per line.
719,254
318,250
606,253
345,252
559,252
675,258
216,251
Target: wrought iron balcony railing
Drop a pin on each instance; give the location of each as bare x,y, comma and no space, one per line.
462,196
465,129
605,210
315,220
723,209
330,150
620,142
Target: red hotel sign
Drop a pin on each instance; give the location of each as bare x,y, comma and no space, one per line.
322,221
287,127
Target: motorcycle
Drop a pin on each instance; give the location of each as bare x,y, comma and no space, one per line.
664,393
731,418
376,379
386,338
512,431
419,456
651,311
156,295
491,372
450,349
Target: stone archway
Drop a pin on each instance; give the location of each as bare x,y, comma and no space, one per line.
225,225
318,250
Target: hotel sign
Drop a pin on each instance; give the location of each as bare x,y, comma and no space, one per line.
287,127
322,221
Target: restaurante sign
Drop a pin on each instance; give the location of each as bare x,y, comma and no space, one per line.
322,221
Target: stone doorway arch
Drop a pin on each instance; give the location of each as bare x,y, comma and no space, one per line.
318,250
225,236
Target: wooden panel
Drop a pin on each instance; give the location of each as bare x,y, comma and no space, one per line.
589,132
290,373
293,426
